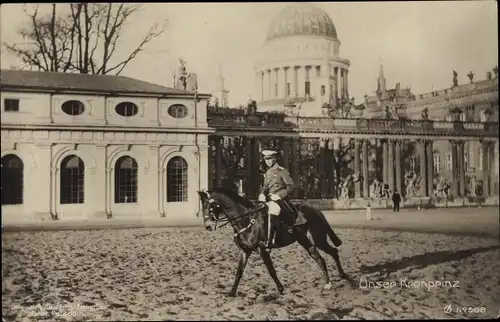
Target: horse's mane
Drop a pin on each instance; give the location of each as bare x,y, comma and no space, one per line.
234,196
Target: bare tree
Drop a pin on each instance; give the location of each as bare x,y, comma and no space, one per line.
83,40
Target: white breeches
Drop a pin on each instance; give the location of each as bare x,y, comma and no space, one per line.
274,208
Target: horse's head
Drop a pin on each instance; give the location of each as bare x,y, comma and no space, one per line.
212,209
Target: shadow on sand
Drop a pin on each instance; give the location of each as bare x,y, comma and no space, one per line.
423,260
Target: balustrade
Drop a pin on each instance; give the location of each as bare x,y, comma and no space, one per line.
269,121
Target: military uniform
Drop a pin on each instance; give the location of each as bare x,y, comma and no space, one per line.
278,185
277,180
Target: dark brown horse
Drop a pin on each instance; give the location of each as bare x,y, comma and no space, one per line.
249,221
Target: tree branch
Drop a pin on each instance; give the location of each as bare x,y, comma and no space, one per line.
152,34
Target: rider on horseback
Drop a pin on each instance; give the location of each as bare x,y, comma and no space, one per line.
278,184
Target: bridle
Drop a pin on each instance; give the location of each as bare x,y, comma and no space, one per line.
214,209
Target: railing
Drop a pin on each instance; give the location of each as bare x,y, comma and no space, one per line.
408,126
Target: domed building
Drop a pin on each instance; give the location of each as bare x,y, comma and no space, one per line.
299,67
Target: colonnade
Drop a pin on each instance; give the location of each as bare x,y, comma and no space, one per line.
389,156
300,81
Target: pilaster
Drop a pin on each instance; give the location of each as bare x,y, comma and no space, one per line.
322,169
430,169
357,165
461,168
423,167
390,164
398,164
365,162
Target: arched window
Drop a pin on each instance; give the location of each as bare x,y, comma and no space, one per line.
177,180
12,180
323,90
126,180
72,180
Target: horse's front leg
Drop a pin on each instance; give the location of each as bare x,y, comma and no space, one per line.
266,257
239,273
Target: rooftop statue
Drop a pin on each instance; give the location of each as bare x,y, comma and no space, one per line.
455,79
181,75
471,76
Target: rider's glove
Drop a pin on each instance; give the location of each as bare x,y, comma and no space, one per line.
274,197
262,198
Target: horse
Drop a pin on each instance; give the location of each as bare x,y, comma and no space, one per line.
249,222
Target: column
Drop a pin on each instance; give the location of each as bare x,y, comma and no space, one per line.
461,167
281,83
390,164
301,81
491,161
323,168
336,82
430,169
455,172
248,188
272,82
286,78
294,82
265,86
295,166
313,80
262,85
340,85
330,164
397,164
218,161
357,166
423,167
269,84
211,164
346,84
365,162
385,161
486,169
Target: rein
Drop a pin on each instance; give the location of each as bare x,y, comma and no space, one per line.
246,214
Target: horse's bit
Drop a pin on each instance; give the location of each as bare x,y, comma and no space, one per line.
215,217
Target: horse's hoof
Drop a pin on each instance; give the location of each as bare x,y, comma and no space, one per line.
281,290
327,287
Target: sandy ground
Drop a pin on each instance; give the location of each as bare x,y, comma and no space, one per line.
185,274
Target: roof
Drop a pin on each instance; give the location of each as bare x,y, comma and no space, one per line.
82,82
302,19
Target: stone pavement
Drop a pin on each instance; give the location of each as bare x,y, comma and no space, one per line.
475,221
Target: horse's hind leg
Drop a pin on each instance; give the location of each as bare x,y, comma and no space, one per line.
306,242
239,273
270,267
332,251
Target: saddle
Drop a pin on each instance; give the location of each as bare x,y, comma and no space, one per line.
290,214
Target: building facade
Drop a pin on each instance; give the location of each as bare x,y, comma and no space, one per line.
92,146
475,102
431,147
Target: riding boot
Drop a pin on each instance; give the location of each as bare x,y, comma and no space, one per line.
271,231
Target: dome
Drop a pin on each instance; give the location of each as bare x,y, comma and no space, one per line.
302,19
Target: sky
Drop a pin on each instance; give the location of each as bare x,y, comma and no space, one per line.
418,43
